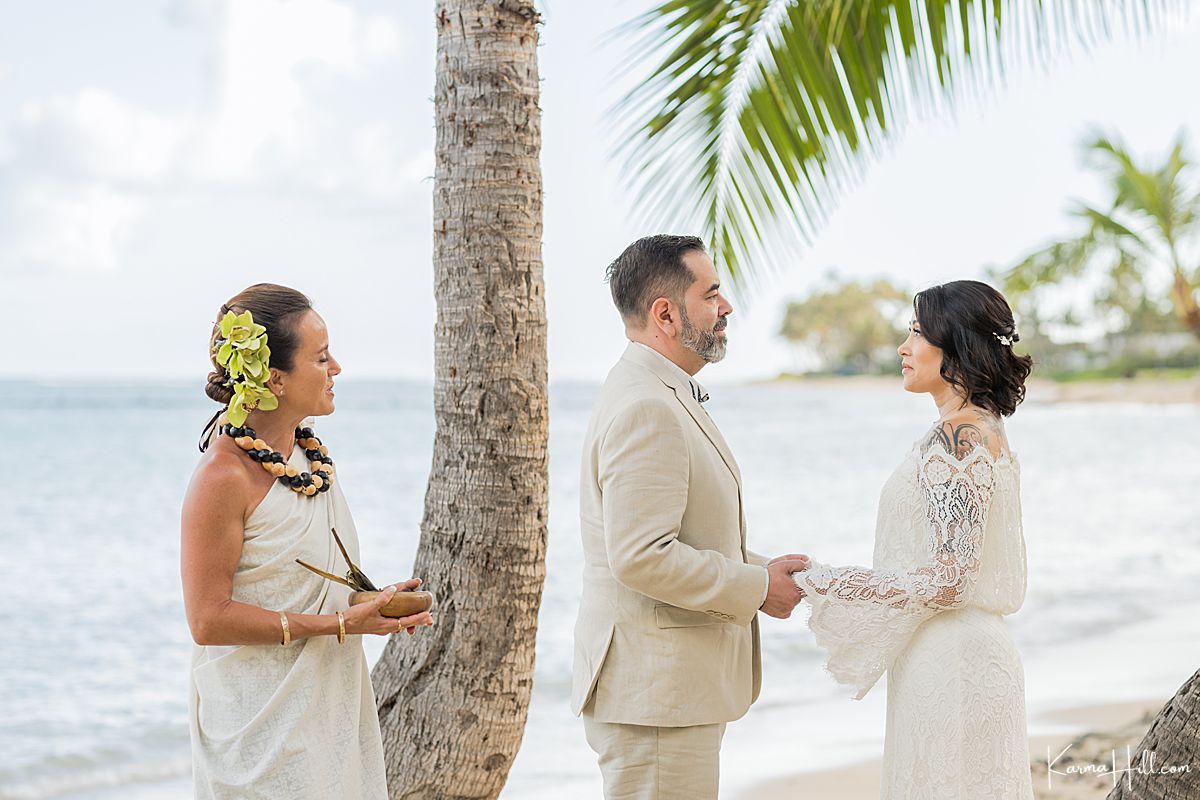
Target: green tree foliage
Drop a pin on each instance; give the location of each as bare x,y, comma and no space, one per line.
1132,248
758,114
850,326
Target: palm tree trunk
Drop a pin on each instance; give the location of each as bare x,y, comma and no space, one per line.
1173,742
1183,297
453,700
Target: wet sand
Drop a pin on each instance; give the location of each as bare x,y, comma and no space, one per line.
1077,759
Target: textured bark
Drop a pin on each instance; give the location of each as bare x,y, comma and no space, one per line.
1183,297
1173,742
453,700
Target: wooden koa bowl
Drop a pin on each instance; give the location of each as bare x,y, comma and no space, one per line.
402,604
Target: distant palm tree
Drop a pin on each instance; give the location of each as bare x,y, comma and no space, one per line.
1152,218
758,114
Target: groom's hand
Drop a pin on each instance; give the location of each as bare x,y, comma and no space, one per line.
792,557
782,592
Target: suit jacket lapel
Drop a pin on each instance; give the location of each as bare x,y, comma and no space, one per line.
683,393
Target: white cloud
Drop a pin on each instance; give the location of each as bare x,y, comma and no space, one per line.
97,135
82,165
382,38
259,96
268,48
375,166
67,226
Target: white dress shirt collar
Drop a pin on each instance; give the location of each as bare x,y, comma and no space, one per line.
699,393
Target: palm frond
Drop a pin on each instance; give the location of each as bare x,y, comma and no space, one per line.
1051,264
1161,196
762,113
1105,224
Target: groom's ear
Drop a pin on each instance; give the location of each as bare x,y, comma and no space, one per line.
664,316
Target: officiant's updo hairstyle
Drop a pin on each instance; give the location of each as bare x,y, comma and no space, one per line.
650,268
973,326
276,308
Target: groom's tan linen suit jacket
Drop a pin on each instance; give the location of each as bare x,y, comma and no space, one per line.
667,633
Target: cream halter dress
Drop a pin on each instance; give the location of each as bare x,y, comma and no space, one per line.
288,722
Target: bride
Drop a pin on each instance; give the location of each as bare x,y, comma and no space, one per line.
949,563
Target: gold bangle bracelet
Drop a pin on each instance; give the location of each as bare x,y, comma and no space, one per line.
287,633
341,628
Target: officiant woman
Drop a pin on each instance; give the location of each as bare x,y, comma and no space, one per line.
280,702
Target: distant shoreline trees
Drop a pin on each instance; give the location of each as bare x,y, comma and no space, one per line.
848,327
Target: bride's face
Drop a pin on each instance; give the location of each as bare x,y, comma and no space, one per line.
920,362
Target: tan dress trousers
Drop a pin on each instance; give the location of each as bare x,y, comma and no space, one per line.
648,762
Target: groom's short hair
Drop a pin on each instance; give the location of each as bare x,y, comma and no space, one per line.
650,268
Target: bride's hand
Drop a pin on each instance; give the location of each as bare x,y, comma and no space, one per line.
365,618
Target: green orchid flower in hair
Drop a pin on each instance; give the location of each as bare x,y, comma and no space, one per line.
242,350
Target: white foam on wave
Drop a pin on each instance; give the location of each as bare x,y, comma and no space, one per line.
91,781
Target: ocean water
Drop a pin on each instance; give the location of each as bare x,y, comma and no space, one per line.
95,647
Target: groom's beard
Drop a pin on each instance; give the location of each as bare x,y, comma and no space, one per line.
705,344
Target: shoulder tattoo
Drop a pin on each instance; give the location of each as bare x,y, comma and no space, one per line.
957,439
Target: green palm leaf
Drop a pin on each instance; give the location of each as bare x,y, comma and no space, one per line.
763,112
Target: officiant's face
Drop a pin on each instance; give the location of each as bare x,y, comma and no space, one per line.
705,310
308,385
920,362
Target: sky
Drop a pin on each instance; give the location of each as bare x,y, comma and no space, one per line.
157,157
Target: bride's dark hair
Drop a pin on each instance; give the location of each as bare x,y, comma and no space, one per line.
966,320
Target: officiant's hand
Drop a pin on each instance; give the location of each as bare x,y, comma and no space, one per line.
365,618
782,592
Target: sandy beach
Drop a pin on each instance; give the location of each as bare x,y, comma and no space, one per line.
1104,728
1154,391
1085,700
1075,759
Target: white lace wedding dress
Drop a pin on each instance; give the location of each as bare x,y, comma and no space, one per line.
949,562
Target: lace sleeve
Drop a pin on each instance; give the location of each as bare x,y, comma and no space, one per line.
864,617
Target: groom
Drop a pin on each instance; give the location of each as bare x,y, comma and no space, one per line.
666,643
